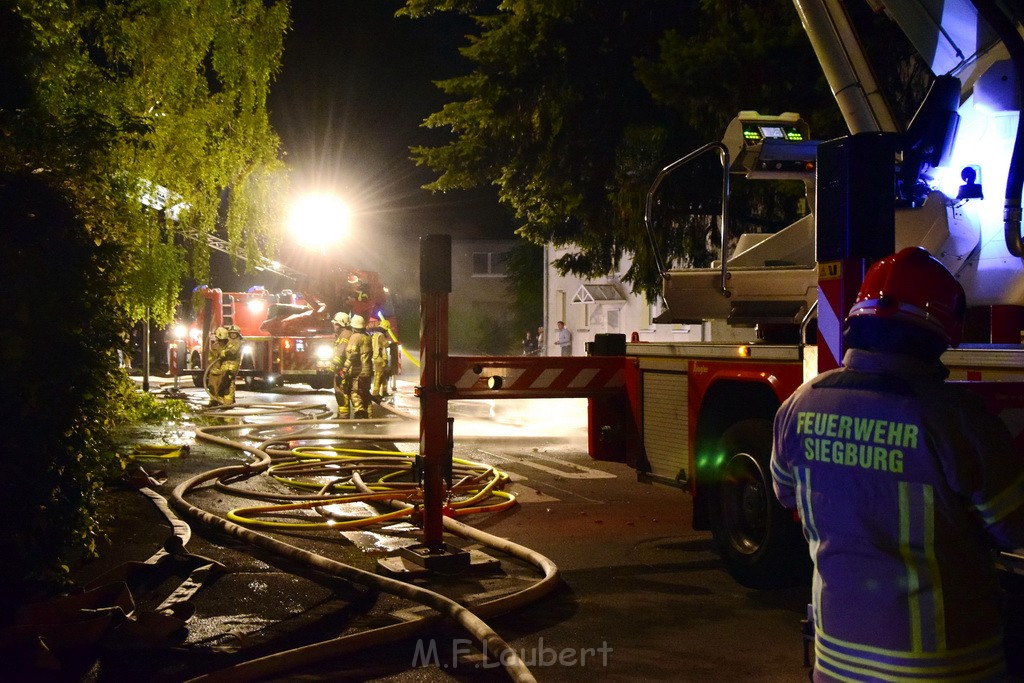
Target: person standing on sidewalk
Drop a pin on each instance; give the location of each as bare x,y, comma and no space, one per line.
529,344
563,338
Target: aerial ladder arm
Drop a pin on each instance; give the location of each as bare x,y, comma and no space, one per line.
222,245
846,67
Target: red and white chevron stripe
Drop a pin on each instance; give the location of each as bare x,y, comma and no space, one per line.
534,377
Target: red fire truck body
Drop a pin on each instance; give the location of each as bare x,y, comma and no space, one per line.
699,414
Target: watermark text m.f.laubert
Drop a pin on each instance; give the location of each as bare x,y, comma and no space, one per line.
428,654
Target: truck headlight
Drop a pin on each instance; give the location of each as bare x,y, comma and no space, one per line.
247,349
324,352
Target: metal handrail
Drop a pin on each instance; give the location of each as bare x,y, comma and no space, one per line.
806,321
723,152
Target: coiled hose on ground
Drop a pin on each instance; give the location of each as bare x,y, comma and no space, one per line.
468,619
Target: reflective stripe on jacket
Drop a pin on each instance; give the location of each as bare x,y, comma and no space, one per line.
903,483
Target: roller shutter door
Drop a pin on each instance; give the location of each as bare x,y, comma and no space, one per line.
666,424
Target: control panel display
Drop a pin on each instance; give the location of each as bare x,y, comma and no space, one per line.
755,133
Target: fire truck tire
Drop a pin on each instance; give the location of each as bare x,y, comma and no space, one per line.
196,364
760,542
250,382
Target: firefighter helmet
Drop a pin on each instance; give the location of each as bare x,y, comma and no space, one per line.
341,318
913,286
220,333
234,329
357,322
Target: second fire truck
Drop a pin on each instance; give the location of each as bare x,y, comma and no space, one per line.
288,336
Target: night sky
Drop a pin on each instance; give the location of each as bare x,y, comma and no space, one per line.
355,86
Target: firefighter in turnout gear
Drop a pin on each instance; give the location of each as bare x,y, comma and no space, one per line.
358,368
342,332
225,354
904,484
232,358
380,354
214,369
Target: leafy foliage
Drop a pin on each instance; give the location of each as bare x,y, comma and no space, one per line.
573,107
137,407
152,101
129,125
524,282
483,332
60,382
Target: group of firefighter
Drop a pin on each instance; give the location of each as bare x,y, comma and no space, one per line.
362,363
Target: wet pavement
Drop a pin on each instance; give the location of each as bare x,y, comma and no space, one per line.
640,597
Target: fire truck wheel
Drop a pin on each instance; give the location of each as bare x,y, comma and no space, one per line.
760,543
197,364
250,382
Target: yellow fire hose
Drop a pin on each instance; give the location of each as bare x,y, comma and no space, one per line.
405,353
308,462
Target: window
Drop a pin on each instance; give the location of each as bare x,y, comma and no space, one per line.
612,320
489,263
597,294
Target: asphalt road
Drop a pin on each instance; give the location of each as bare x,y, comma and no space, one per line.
641,596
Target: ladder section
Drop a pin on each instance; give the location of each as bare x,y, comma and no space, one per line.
227,310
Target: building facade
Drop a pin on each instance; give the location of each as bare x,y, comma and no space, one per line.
602,306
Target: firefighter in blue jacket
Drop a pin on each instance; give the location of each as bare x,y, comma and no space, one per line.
903,484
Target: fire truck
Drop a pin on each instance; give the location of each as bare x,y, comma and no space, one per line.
698,415
288,336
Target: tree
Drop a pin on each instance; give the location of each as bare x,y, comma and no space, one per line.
128,125
153,116
572,107
525,285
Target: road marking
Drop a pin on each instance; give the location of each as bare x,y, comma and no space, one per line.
530,494
580,472
546,469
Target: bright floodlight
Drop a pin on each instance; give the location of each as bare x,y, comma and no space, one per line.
319,220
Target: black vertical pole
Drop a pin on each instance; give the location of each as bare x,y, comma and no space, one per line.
435,285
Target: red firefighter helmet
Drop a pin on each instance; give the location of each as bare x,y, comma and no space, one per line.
913,286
